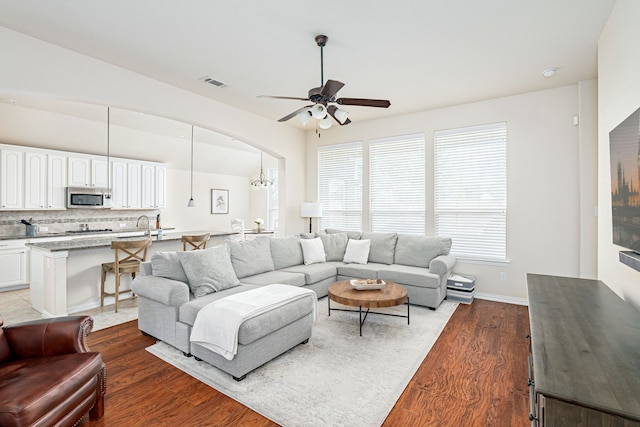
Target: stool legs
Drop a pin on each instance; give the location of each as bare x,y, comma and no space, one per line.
117,291
103,277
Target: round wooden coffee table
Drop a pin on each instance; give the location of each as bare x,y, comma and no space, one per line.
391,294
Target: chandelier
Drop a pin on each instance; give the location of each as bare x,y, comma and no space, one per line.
262,181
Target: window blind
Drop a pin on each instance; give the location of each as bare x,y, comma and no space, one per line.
471,190
397,195
340,186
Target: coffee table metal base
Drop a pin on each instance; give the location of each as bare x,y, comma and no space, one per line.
366,313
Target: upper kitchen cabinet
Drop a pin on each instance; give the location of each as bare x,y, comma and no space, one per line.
11,179
154,186
87,172
56,181
161,186
127,184
35,180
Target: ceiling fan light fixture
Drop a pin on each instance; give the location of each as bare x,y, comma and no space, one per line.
324,123
319,111
304,117
341,115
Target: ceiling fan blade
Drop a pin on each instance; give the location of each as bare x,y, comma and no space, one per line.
331,109
283,97
381,103
331,87
289,116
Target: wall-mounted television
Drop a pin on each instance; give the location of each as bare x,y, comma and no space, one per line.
624,144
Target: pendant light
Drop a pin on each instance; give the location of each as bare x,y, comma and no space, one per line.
191,203
108,201
262,181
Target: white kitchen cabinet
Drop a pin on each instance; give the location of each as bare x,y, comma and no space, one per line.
88,172
79,171
14,260
148,186
134,185
56,181
161,187
99,173
11,179
119,190
35,180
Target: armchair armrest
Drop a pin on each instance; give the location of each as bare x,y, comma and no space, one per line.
442,264
49,337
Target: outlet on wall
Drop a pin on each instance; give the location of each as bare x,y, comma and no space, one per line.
123,224
503,276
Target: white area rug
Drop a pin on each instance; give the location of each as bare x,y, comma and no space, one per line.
338,378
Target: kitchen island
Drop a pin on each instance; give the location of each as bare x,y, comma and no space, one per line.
65,275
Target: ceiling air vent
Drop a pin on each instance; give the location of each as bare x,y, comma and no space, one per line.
213,82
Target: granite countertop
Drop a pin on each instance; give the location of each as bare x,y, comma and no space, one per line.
75,233
105,241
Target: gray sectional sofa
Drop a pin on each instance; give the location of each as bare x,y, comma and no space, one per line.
168,306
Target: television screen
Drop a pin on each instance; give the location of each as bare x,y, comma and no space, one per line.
624,143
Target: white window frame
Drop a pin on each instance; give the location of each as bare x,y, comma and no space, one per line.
470,191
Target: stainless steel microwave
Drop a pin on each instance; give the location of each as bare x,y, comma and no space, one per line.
87,198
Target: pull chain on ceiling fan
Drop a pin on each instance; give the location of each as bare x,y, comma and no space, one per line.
325,95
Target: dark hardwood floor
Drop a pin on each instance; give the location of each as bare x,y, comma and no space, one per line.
475,375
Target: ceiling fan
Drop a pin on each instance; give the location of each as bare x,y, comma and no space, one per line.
323,96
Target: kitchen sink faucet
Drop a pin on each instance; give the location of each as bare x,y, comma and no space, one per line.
148,231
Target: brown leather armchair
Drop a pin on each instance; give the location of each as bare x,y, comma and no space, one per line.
48,376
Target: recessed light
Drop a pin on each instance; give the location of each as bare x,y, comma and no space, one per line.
549,72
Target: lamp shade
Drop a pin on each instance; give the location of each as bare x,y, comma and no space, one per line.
324,123
304,117
319,111
341,115
311,210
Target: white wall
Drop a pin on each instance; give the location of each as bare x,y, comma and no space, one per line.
618,97
546,221
42,69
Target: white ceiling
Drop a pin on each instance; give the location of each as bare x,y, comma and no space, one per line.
419,54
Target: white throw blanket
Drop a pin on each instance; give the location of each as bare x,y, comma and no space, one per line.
217,323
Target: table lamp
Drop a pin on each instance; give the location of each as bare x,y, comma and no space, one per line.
311,210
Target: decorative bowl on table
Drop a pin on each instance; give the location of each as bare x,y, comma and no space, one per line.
366,284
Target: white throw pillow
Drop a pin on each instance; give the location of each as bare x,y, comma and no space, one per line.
313,251
357,251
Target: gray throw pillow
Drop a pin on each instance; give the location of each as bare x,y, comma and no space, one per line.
286,252
353,235
251,257
383,246
334,245
418,251
167,264
208,270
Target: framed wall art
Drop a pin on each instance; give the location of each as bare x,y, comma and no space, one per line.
219,201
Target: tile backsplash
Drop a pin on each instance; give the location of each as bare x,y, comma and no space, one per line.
68,220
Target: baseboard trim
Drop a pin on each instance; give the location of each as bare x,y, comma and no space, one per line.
502,298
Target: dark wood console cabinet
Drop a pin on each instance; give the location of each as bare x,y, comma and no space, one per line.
584,365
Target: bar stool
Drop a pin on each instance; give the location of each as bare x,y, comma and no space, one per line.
195,242
128,256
